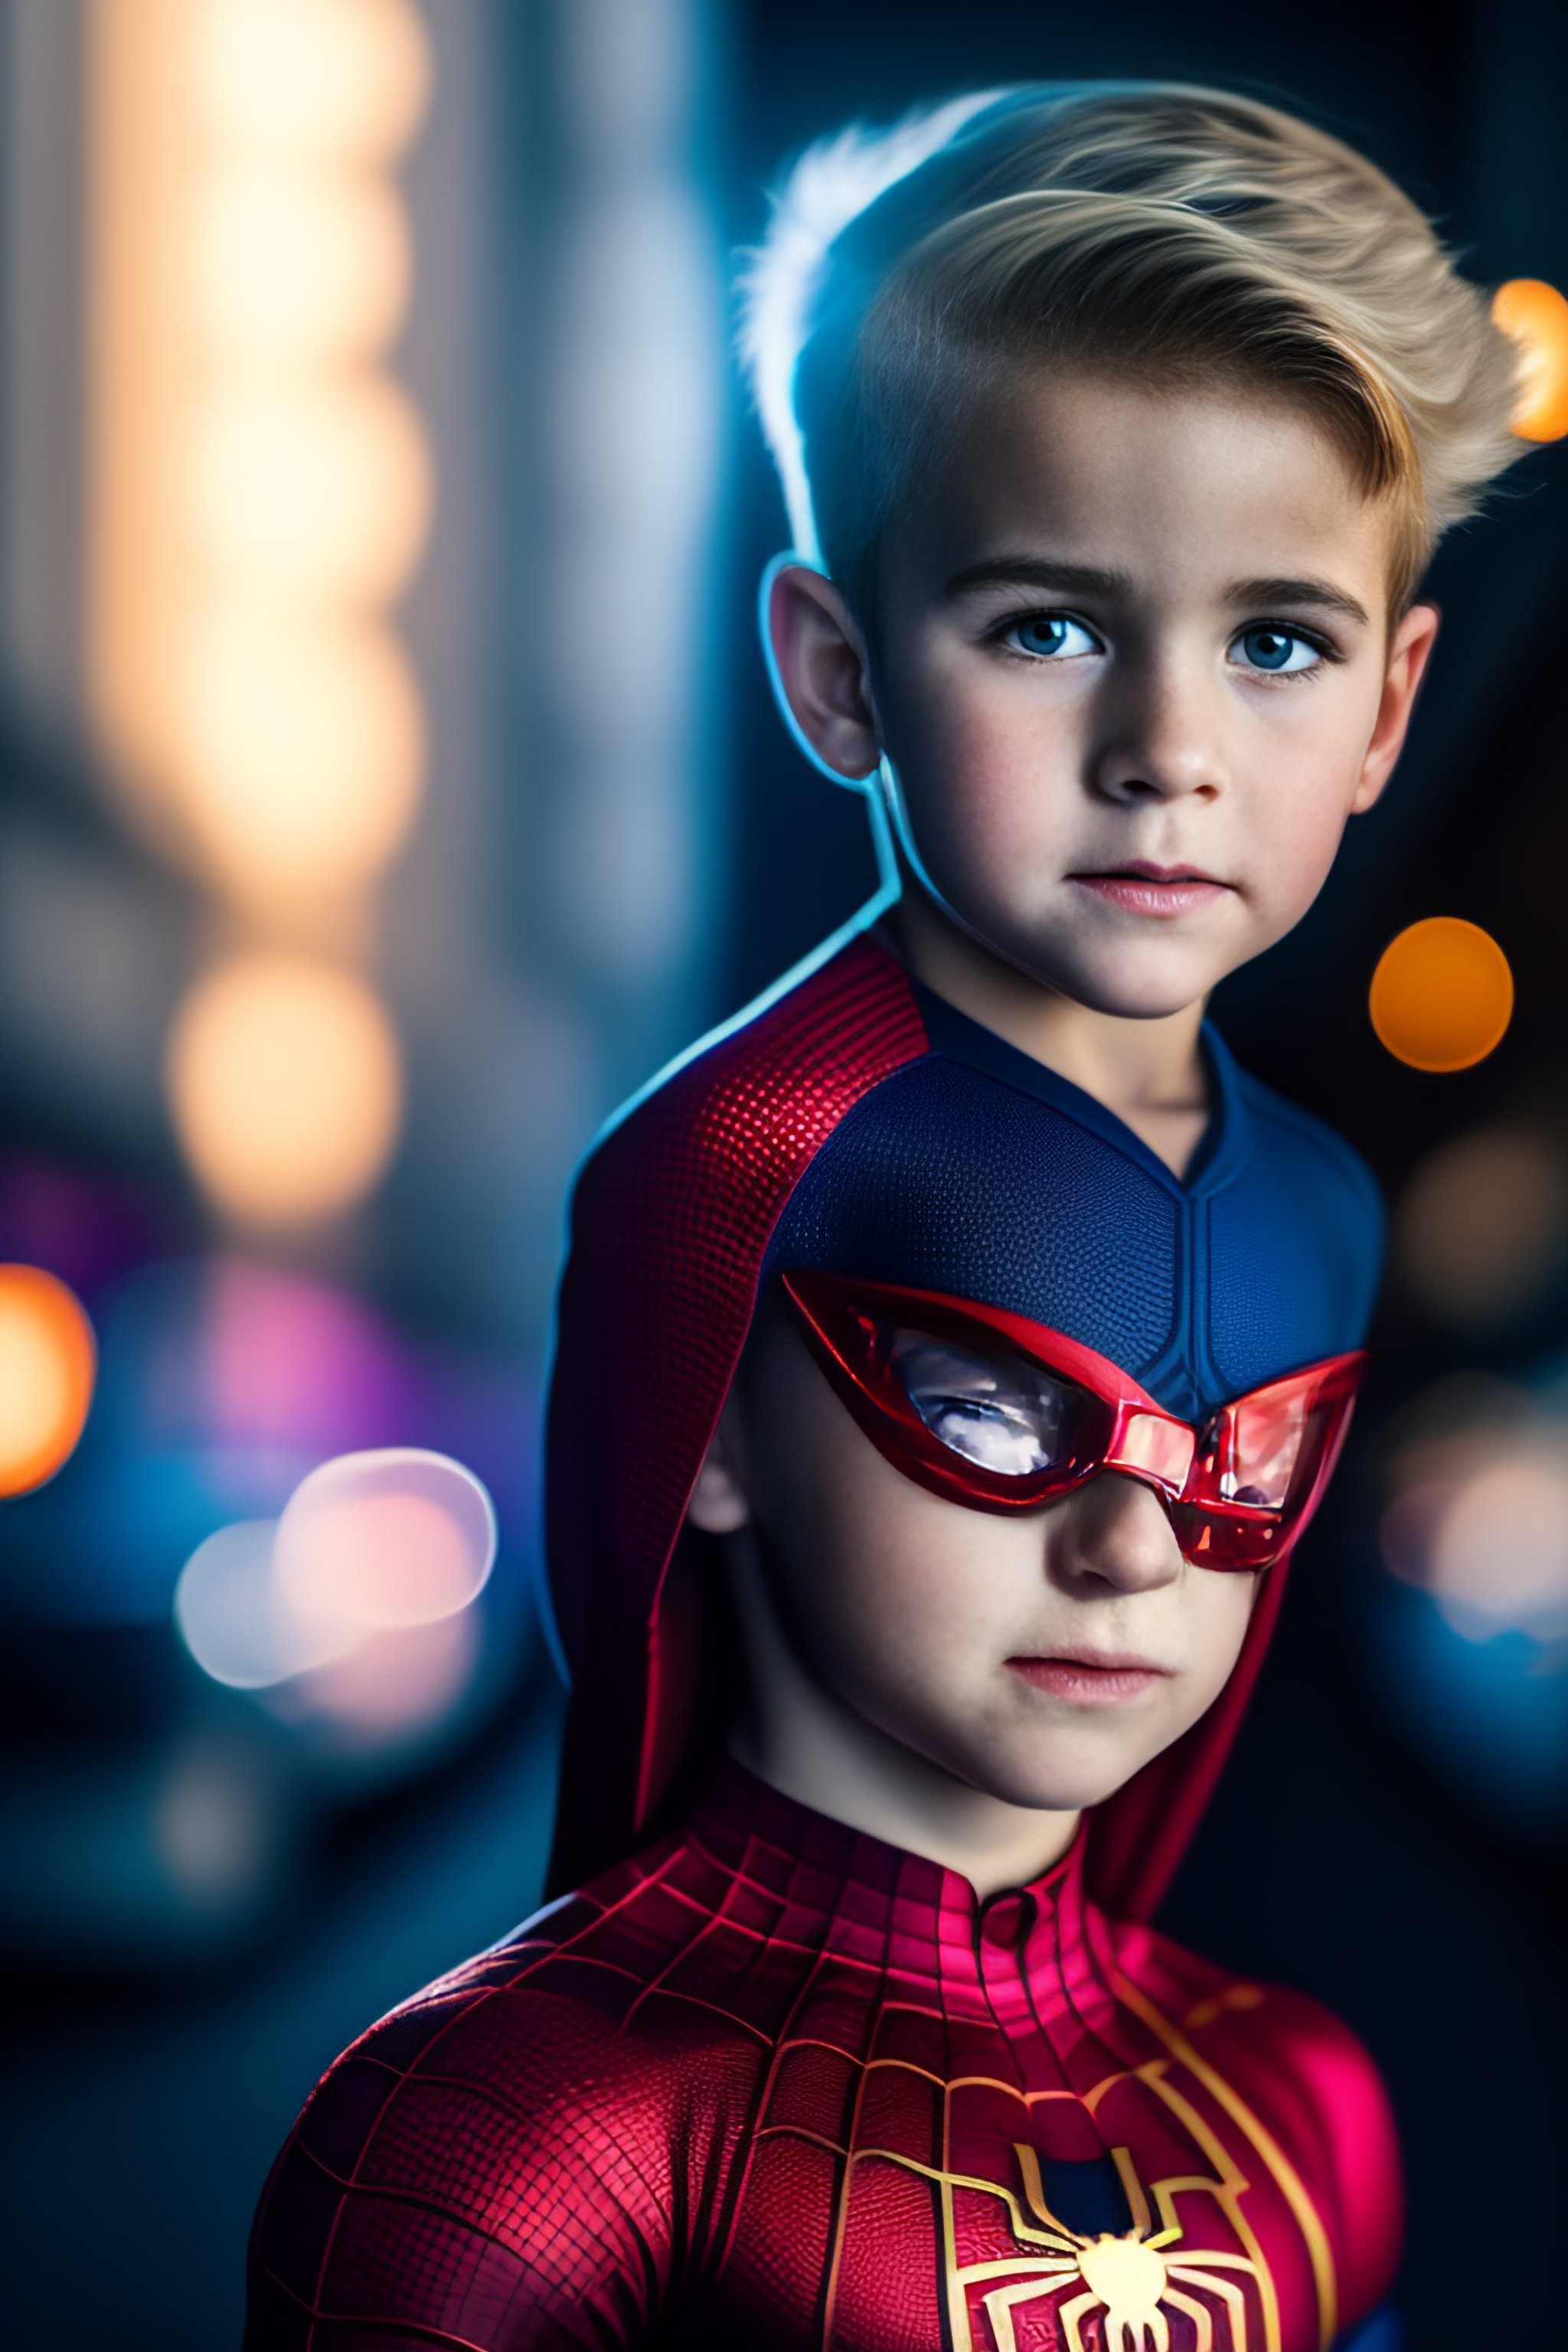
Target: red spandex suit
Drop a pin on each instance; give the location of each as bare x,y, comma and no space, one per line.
764,2081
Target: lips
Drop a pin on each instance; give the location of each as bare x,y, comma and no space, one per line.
1091,1677
1140,886
1146,870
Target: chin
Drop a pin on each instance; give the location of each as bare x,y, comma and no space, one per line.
1106,980
1125,1000
1057,1784
1131,996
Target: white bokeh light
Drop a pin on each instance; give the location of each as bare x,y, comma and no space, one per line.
233,1619
380,1540
1500,1557
356,1603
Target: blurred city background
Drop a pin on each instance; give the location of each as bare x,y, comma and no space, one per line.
387,786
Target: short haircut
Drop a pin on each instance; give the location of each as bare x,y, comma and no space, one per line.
1168,236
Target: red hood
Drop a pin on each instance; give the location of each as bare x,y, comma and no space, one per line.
671,1224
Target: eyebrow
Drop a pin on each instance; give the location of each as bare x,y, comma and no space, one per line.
1298,592
1092,580
1040,572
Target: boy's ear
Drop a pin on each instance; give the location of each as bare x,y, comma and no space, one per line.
719,1501
1409,650
819,668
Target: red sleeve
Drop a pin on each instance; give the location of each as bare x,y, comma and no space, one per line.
1310,2081
1359,2180
484,2169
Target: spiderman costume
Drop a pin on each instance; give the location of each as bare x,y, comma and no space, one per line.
770,2075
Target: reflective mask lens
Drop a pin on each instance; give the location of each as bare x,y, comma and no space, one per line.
1250,1452
988,1409
1262,1464
999,1412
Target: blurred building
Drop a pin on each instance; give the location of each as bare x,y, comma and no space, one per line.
324,489
362,415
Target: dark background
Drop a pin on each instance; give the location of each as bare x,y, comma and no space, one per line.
1374,1842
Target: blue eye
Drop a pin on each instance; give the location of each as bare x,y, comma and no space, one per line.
1050,635
1277,650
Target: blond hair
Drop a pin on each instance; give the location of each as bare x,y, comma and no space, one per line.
1176,236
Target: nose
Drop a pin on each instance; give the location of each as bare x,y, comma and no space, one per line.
1114,1532
1162,738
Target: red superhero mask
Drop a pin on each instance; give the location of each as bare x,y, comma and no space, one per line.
986,1407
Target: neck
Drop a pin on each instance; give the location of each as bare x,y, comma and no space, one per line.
803,1739
1149,1071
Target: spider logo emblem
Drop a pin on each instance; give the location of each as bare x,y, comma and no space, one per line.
1135,2283
1129,2276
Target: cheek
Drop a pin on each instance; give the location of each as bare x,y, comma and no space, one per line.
981,780
1286,857
1219,1612
900,1580
1302,779
898,1598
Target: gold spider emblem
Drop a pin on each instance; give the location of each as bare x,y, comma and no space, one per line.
1134,2281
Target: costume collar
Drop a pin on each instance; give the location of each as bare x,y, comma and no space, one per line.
1225,1140
1029,1958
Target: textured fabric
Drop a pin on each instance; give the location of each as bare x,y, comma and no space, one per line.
944,1179
670,1220
774,2084
857,1122
1293,1248
981,1172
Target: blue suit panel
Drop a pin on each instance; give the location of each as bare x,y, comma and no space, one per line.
977,1171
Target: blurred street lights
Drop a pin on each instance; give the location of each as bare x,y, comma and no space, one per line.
260,496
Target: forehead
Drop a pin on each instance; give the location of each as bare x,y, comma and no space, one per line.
1183,489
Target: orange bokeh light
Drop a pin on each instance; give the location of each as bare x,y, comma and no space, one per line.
315,490
307,77
1442,996
297,268
301,753
1536,316
263,486
285,1083
47,1360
